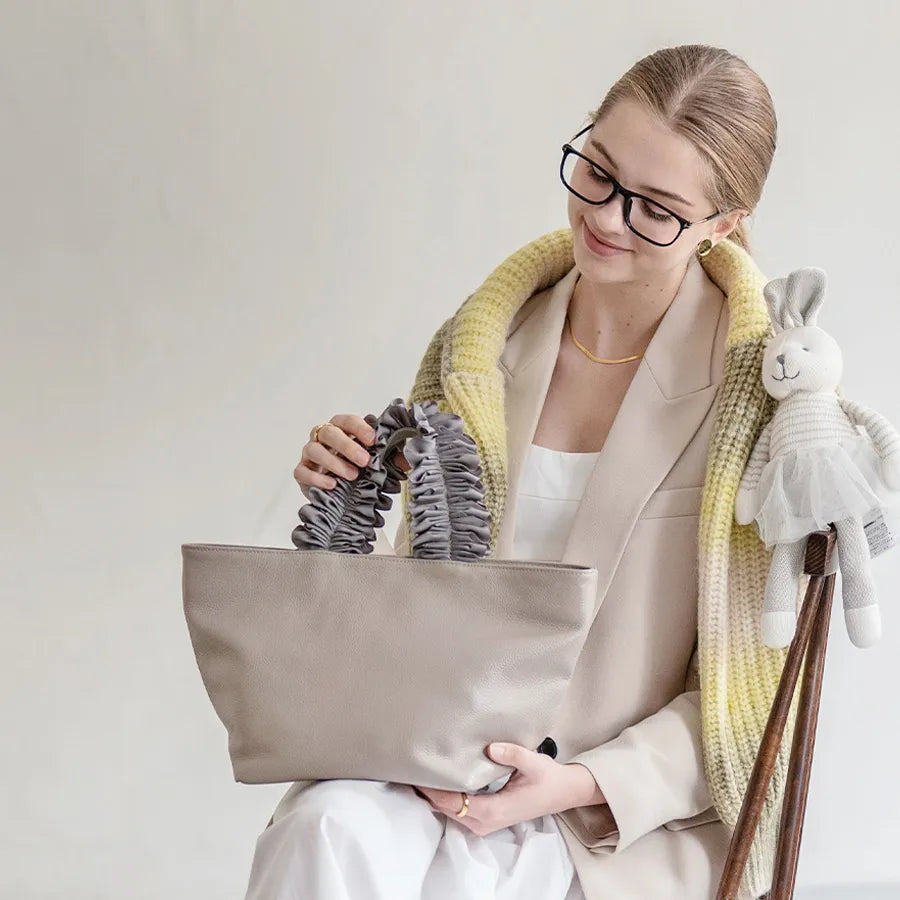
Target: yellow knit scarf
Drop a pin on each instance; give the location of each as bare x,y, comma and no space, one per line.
738,674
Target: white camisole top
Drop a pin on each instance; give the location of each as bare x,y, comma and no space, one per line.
550,489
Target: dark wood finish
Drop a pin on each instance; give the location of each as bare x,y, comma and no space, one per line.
819,548
793,810
751,809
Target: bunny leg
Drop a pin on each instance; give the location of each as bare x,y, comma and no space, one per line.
779,613
861,613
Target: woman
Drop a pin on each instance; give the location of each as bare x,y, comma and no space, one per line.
590,368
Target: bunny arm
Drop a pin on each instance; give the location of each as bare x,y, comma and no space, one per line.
759,456
745,502
884,436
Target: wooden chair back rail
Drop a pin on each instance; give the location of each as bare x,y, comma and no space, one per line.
810,642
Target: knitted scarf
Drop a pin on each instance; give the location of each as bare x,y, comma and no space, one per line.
738,674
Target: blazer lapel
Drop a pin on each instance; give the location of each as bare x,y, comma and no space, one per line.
529,358
672,391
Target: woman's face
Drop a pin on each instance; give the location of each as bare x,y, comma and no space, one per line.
644,156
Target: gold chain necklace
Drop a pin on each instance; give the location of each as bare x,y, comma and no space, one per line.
588,353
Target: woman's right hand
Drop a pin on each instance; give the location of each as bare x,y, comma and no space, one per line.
336,451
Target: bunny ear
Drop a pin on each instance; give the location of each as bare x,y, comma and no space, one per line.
805,292
774,292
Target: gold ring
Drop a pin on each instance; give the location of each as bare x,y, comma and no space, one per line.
465,806
316,431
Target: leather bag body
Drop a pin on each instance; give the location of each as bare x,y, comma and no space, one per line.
395,668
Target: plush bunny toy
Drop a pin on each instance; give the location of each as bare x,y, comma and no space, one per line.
812,465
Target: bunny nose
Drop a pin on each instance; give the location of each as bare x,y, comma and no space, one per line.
780,358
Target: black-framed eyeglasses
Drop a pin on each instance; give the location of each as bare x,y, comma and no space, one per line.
590,182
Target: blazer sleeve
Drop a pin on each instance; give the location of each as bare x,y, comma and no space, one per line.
651,774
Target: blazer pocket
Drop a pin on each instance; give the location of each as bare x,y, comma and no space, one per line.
673,502
702,818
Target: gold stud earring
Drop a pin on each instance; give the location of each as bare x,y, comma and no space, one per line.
704,247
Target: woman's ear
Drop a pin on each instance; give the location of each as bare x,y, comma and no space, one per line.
727,224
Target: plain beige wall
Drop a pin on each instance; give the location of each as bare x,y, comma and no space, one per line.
222,223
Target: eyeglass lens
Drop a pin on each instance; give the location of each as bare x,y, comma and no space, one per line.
590,182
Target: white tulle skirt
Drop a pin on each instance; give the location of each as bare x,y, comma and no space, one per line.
348,839
804,490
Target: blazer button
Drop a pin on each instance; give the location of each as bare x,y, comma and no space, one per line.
548,747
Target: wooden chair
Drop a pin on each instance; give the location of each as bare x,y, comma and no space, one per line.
810,639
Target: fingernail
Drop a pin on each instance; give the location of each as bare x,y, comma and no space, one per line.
497,750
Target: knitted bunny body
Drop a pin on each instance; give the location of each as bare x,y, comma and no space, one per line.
821,459
821,469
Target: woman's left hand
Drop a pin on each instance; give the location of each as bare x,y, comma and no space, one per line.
540,785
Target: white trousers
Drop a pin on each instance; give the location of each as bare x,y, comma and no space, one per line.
350,839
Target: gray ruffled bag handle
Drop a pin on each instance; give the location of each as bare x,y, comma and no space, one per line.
449,518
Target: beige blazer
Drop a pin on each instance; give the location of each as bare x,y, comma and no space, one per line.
633,710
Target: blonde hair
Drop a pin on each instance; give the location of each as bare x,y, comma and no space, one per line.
716,101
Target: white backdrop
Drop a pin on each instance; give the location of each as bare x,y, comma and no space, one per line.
222,223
